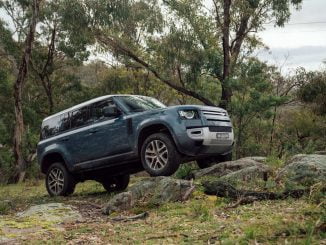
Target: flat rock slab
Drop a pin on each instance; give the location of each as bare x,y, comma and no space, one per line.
35,219
156,191
304,169
52,212
248,168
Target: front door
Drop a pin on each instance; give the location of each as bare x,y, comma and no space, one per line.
105,136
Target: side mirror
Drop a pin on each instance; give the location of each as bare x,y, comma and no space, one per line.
110,111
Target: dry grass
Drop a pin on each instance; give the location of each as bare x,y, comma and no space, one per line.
201,220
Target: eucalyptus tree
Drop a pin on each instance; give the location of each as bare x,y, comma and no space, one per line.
53,50
194,46
30,9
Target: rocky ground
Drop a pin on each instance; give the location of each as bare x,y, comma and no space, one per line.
248,201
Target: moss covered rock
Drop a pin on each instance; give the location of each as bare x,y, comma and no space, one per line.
304,169
241,169
52,212
155,191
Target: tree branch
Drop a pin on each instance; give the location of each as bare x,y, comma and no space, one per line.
118,46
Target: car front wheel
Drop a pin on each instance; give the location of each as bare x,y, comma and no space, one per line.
59,182
210,161
159,155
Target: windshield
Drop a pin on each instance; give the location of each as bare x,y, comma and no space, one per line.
140,103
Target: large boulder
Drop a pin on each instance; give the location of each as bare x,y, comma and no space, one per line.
156,191
304,169
248,168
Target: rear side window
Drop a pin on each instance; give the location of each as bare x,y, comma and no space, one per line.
64,122
50,127
79,117
55,125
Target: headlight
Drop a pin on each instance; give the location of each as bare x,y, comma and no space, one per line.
188,114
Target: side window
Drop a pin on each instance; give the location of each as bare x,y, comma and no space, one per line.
98,110
79,117
50,127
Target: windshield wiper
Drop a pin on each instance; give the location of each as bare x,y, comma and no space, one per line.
138,110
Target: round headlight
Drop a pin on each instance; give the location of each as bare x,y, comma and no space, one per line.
187,114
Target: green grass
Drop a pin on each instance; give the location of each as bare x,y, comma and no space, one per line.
200,220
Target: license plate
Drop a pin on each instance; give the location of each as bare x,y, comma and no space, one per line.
222,136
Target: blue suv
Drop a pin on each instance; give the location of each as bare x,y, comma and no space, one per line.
108,138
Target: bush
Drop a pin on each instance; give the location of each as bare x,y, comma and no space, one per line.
185,170
4,207
6,169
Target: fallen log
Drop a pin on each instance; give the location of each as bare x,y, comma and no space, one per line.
225,189
131,218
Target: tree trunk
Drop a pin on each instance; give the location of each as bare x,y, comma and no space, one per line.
20,163
272,132
238,145
226,92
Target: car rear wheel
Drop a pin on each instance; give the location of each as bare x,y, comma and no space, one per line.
159,155
59,182
116,183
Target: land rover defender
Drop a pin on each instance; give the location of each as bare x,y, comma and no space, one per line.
108,138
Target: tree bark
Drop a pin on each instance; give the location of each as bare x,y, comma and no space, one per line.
20,163
231,48
47,69
226,92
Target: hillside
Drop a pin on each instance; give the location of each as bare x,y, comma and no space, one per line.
207,219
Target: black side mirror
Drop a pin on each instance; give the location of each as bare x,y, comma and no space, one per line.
111,111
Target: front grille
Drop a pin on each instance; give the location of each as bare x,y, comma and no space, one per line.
218,116
220,129
214,113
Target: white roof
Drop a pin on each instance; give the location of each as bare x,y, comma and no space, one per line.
86,103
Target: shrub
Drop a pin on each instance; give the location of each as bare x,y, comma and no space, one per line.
185,170
6,168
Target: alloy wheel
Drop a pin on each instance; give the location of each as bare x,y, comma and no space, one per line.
56,181
156,154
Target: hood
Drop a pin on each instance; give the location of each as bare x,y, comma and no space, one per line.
198,107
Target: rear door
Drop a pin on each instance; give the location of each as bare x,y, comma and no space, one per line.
79,121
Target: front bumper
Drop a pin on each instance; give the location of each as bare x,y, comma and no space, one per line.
200,141
209,138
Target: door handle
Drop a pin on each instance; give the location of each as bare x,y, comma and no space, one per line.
93,131
65,139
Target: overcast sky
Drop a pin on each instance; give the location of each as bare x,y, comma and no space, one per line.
302,42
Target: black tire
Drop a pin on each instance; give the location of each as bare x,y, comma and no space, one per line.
59,182
117,183
205,162
210,161
162,164
226,158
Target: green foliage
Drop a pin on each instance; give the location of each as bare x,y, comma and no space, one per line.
6,168
4,207
252,103
300,130
317,193
185,170
313,91
274,162
200,210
